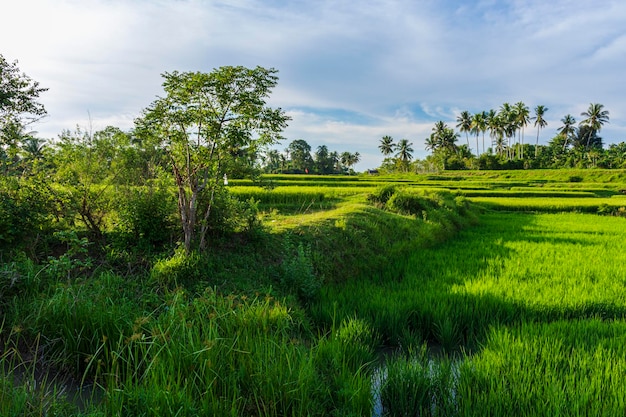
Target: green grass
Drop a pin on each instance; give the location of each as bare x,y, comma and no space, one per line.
520,314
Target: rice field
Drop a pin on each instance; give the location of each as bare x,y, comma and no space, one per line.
531,306
402,307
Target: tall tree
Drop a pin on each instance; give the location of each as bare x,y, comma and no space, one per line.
348,159
491,122
204,121
386,145
477,125
508,125
404,152
464,124
596,117
19,107
300,152
540,123
568,129
19,96
323,162
522,117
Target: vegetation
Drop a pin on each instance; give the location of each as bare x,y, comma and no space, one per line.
573,147
457,293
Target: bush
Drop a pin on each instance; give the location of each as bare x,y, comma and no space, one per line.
180,268
298,276
146,216
24,213
381,195
406,203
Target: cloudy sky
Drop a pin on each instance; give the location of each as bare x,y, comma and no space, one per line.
350,71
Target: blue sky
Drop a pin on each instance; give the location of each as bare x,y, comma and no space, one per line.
350,72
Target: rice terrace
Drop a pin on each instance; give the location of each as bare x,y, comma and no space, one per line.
474,299
186,268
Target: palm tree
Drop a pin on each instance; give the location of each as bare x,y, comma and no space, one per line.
477,123
491,124
540,123
432,143
404,152
386,145
595,118
568,129
442,137
33,147
464,124
348,159
498,131
506,123
522,113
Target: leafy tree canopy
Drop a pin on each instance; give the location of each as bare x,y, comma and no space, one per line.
18,96
206,122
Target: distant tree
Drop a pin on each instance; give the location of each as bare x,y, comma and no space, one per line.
522,117
478,126
586,138
324,164
596,117
464,124
300,152
404,152
568,129
349,159
540,123
386,145
491,122
206,121
508,125
272,161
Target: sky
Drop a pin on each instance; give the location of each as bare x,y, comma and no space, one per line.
349,72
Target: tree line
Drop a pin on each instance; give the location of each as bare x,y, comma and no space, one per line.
298,159
496,139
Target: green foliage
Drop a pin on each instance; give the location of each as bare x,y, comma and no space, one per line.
146,216
209,122
25,213
381,195
18,99
180,268
409,203
74,260
297,275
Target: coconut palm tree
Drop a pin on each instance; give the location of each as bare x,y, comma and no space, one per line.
596,117
464,124
477,123
491,122
522,117
540,123
386,145
568,129
33,147
404,152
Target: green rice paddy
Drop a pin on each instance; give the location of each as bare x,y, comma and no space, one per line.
458,294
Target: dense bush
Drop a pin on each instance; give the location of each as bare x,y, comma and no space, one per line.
147,216
25,214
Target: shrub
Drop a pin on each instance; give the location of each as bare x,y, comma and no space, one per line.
381,195
180,268
406,203
298,276
146,215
